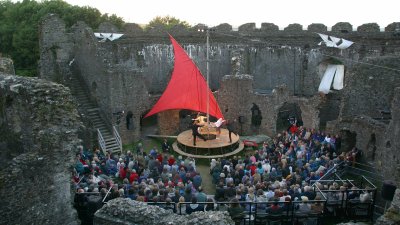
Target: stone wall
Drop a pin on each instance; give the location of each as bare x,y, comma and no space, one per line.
370,134
6,66
126,211
168,122
392,215
389,145
379,141
38,139
269,104
369,90
55,50
121,74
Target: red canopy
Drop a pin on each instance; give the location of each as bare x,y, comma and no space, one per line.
187,88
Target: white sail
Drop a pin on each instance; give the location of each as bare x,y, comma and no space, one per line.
339,77
326,81
333,74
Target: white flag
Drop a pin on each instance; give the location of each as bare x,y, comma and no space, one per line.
331,41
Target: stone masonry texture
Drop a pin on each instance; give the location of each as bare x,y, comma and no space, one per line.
38,139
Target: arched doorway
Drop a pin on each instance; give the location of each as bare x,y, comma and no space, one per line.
256,117
287,114
148,125
129,120
371,147
349,140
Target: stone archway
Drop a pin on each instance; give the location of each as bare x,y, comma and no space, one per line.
349,140
129,120
148,125
286,111
371,147
256,118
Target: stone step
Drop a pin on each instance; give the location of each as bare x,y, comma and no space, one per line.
93,109
95,119
100,125
112,142
82,96
108,137
105,133
112,147
104,128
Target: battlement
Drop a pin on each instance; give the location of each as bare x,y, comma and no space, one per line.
340,27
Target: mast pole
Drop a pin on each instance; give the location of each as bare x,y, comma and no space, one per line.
208,78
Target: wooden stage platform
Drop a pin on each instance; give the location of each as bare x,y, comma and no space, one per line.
216,148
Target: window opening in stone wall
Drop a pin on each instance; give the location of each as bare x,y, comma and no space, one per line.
129,120
288,114
371,146
256,117
94,86
348,140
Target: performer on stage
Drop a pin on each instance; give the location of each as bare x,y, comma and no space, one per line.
195,132
230,125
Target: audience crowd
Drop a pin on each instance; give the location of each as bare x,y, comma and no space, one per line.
277,173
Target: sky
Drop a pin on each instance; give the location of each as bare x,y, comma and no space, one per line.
236,13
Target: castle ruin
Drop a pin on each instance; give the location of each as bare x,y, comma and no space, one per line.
280,71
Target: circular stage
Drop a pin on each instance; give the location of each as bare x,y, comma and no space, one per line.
215,148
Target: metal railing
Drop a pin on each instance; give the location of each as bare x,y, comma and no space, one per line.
117,138
253,212
102,143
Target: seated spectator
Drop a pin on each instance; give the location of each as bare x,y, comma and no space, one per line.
220,193
353,194
169,205
79,165
317,206
287,205
274,208
235,210
201,196
230,191
194,206
304,206
210,205
365,197
261,200
250,197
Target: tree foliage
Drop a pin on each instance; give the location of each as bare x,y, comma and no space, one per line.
19,28
166,22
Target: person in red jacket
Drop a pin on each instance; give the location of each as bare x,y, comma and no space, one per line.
122,171
171,160
133,176
253,168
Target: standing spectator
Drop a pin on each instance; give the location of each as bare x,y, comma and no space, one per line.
165,146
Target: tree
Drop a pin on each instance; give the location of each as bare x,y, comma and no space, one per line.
19,28
166,22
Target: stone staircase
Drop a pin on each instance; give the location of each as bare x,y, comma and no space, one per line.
91,111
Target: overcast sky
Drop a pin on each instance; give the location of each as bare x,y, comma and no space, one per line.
236,13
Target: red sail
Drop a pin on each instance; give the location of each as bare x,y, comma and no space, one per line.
187,88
